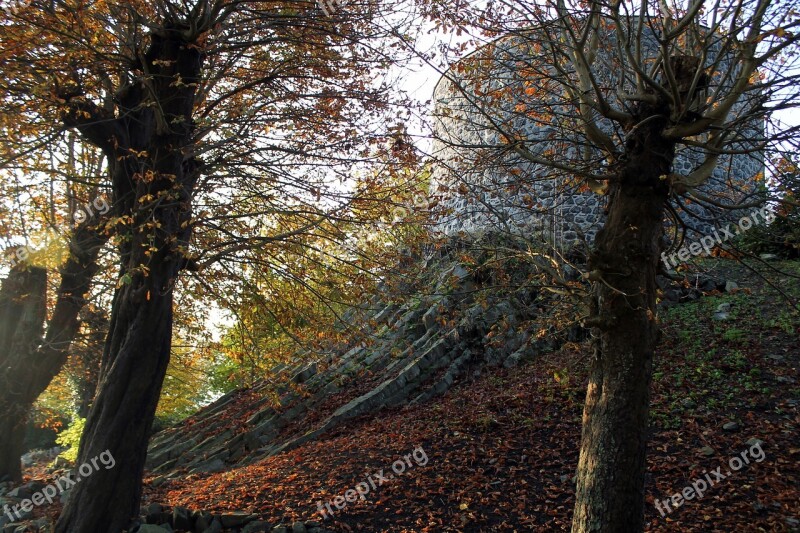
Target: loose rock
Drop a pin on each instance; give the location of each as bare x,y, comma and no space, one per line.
731,426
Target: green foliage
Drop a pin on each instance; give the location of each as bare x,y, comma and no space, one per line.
787,321
71,438
734,335
718,365
226,375
782,236
186,386
56,406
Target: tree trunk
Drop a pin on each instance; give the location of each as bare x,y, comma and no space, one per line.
120,418
137,349
12,446
27,372
90,354
23,302
623,267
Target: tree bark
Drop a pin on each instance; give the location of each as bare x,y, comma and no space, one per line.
90,354
23,303
623,267
155,190
122,413
28,370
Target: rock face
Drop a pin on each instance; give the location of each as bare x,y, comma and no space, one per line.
411,351
460,318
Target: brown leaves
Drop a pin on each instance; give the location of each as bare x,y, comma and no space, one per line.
503,451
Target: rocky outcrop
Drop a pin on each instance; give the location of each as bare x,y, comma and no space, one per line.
470,311
159,519
465,316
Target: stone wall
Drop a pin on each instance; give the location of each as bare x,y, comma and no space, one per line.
506,90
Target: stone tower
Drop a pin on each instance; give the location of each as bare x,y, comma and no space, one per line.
508,90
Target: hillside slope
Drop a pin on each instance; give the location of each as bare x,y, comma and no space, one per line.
500,449
465,310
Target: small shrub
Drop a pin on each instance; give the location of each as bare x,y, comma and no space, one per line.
71,438
780,237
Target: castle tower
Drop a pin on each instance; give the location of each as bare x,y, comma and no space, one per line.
508,91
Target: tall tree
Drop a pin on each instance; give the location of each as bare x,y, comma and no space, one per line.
602,97
29,367
242,108
62,230
86,354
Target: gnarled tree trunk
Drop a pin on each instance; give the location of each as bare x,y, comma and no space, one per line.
155,190
27,370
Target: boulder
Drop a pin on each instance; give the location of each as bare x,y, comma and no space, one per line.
215,527
202,521
231,520
259,526
151,528
209,467
21,493
181,518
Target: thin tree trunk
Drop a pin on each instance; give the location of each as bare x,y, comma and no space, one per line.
23,305
623,267
27,371
90,355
